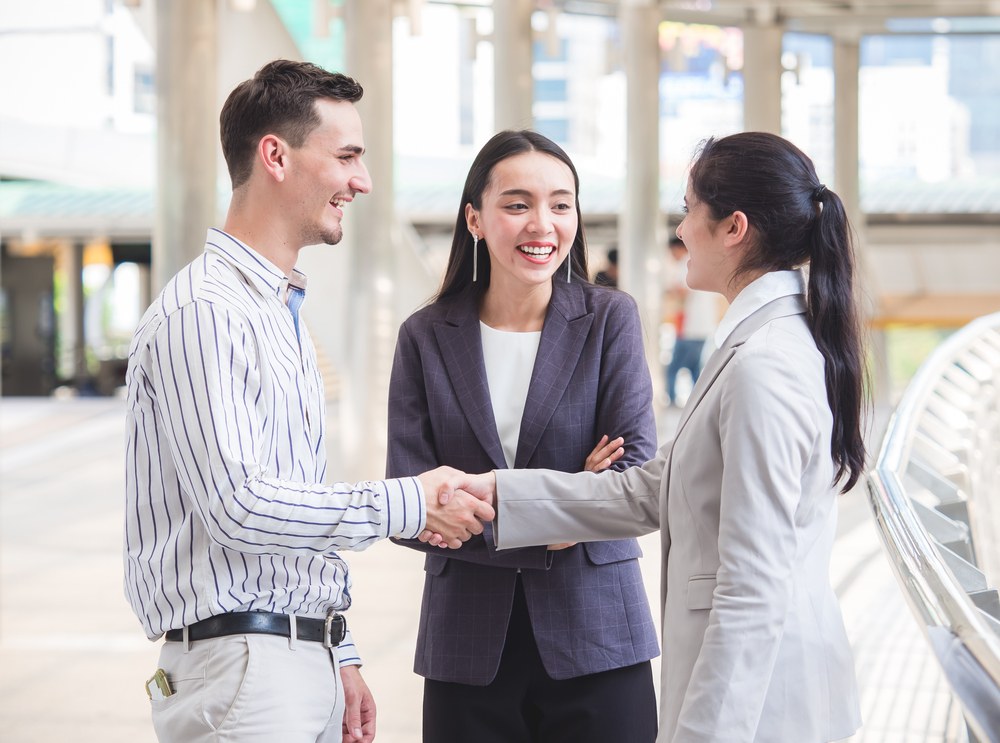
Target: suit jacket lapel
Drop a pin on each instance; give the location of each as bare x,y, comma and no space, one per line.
461,345
564,333
781,307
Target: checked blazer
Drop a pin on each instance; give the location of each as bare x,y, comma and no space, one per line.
587,604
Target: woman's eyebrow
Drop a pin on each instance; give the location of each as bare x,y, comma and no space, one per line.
526,192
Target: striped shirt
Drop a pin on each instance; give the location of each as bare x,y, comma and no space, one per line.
225,456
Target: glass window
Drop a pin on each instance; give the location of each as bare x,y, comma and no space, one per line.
551,91
701,95
930,122
807,98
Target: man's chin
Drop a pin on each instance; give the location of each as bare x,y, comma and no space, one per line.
332,237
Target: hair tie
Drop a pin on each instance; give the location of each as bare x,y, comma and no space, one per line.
819,192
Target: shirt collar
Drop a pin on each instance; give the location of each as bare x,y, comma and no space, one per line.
772,285
264,275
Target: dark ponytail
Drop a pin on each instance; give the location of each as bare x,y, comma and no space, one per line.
796,221
836,328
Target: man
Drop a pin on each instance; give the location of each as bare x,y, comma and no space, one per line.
230,532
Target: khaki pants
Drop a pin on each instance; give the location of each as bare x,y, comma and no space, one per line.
250,688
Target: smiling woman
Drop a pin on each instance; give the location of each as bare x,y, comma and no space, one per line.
528,214
522,362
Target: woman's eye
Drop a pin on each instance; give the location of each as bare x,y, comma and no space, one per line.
517,207
563,207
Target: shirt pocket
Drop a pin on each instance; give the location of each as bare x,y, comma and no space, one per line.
700,590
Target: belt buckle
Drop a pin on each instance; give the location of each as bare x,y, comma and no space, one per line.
334,622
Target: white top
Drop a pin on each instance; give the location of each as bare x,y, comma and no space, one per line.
509,358
225,503
756,294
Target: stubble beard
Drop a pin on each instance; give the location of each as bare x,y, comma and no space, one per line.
332,236
325,236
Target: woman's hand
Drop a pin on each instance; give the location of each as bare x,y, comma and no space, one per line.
604,454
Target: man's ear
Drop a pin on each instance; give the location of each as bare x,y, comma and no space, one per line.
472,220
737,228
272,151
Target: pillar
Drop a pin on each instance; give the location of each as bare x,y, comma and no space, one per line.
762,78
847,184
640,248
75,325
370,231
186,134
513,91
846,69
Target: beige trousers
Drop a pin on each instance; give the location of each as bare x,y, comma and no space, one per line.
251,689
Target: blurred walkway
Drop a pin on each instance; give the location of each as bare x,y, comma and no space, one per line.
73,658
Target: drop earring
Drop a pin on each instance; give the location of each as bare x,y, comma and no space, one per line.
569,265
475,255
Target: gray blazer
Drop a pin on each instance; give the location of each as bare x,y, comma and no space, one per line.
587,604
754,646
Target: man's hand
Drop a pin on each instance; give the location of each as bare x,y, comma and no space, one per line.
453,516
359,707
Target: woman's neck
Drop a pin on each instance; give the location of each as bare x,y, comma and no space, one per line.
517,309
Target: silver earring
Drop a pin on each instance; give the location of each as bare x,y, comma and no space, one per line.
569,265
475,255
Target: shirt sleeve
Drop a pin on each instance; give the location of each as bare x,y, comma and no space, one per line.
207,381
347,652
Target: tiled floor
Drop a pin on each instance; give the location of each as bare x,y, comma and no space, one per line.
73,658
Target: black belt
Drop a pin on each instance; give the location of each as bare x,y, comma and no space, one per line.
329,631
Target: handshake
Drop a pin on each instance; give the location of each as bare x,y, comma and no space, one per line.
457,505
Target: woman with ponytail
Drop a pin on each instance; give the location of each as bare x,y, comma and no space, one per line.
754,646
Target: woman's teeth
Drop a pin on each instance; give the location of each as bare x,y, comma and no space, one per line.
539,250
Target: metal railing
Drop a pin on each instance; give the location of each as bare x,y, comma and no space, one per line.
932,490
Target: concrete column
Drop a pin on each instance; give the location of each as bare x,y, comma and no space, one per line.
371,231
847,184
512,83
187,132
75,312
640,247
846,68
762,78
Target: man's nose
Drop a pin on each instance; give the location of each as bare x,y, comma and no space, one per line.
362,181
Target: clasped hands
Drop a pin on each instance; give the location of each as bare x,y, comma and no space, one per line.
459,503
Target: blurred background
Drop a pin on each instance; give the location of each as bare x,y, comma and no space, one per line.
110,172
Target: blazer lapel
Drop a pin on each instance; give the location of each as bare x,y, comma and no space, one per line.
781,307
564,333
461,345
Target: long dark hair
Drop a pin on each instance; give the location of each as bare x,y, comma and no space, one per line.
458,275
794,221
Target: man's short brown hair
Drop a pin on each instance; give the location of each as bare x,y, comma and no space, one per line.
280,99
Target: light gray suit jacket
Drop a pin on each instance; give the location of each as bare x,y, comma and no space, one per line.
754,646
